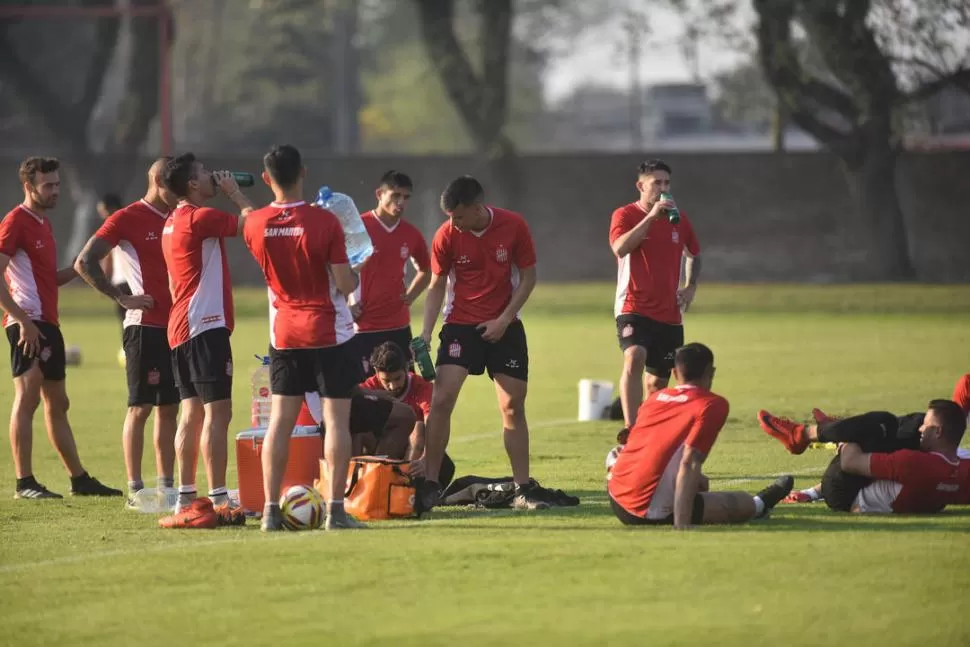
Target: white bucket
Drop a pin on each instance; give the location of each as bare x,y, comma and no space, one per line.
595,398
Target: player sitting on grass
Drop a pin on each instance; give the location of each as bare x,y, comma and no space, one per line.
886,464
657,478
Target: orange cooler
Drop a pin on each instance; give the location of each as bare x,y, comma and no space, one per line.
302,466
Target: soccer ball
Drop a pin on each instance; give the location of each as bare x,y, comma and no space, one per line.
302,508
72,355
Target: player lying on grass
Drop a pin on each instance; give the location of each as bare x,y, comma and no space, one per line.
886,464
657,477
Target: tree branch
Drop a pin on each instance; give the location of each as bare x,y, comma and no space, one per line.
958,79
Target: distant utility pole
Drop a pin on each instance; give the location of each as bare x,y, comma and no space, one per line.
635,28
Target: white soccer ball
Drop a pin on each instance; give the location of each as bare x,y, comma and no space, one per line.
72,355
302,508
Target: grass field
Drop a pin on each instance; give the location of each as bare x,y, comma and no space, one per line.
86,572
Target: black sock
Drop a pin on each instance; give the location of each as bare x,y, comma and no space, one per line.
336,508
27,482
80,478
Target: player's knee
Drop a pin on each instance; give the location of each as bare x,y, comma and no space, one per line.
57,403
634,358
443,401
168,412
26,401
513,408
139,413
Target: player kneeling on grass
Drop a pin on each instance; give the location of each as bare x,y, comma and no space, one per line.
656,479
906,465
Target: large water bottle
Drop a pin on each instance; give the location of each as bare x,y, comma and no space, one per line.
359,245
262,396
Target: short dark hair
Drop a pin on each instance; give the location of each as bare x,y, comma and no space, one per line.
464,191
692,360
953,421
388,358
649,166
111,201
283,163
179,171
34,165
396,180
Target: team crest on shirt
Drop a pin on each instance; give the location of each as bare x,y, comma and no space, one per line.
405,252
151,236
229,368
674,236
45,354
154,377
501,254
39,244
454,350
627,331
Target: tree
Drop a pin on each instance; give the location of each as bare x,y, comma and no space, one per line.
884,56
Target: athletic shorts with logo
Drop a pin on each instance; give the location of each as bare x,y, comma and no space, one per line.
333,372
660,340
148,365
462,345
365,343
53,362
203,366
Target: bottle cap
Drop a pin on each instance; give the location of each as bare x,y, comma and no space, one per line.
324,194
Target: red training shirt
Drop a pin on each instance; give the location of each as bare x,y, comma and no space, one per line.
195,253
961,393
909,481
294,243
136,230
382,280
417,393
482,266
27,238
644,476
648,277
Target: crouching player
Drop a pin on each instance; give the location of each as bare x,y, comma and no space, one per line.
906,465
657,477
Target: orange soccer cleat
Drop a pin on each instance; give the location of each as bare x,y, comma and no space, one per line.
230,516
822,418
793,435
198,514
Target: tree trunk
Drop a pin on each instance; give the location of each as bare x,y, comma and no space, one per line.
873,184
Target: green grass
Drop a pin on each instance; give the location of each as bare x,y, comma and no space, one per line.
85,572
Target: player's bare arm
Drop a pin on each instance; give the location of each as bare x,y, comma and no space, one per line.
88,267
228,185
344,278
629,241
421,280
432,305
692,272
687,486
65,275
30,335
495,329
854,460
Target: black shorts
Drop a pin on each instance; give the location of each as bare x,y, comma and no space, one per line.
203,366
629,519
366,342
840,488
462,345
53,362
660,340
333,372
148,365
369,414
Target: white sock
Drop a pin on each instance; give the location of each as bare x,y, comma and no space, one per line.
219,496
759,506
812,493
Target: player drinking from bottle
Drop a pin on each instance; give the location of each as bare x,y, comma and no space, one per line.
484,259
302,252
380,304
649,300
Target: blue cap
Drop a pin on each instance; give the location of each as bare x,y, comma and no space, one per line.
324,194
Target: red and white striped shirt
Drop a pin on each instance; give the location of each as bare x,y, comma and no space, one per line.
482,266
293,244
27,238
136,232
194,248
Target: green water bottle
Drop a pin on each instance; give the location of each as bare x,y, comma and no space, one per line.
422,357
241,178
673,215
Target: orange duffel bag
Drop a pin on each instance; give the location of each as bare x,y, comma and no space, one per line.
377,488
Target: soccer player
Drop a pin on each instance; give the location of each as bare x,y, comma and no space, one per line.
132,239
112,265
301,250
886,464
28,259
380,304
649,299
483,257
199,326
656,479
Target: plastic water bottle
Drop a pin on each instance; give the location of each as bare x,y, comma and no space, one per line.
359,245
422,357
262,398
673,215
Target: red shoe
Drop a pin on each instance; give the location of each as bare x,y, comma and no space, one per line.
798,497
822,418
229,516
199,514
793,435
